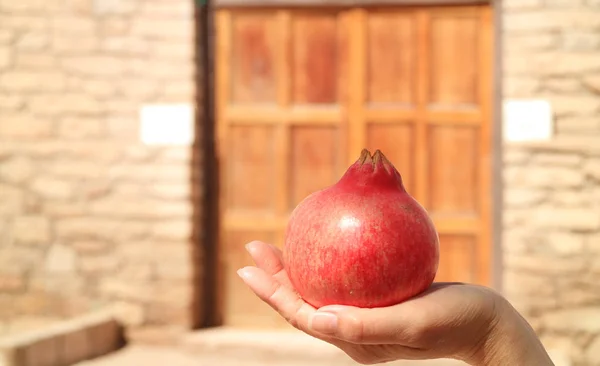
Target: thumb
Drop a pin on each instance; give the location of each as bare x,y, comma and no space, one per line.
389,325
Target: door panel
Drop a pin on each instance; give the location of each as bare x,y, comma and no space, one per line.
300,92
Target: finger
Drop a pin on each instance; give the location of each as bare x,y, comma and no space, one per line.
281,298
408,323
401,324
266,257
270,259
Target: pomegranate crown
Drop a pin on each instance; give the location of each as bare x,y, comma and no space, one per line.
373,169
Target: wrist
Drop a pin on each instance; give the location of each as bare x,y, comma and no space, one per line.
510,340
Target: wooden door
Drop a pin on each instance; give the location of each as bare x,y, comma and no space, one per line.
301,91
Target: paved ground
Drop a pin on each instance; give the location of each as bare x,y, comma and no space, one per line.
161,356
230,347
148,356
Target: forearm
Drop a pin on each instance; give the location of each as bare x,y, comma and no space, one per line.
513,342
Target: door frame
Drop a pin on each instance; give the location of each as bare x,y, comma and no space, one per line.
210,304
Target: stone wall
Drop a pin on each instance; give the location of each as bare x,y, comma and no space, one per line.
90,217
552,190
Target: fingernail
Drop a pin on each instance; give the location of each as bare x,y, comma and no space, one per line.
249,247
323,323
243,273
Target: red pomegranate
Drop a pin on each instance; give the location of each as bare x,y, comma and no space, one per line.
362,242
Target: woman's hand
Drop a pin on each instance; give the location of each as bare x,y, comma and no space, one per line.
450,320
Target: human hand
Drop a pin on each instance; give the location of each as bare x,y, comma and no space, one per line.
449,320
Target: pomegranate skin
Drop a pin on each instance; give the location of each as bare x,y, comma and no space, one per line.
362,242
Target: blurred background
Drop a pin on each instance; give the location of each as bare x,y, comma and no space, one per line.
144,142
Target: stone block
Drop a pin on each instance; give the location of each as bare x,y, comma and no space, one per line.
96,264
554,63
576,219
592,82
563,85
75,345
24,125
551,19
549,265
65,24
140,208
44,352
65,104
523,197
516,43
515,282
151,172
129,313
52,188
114,26
539,176
184,270
160,69
90,246
112,7
30,81
106,336
25,22
60,259
563,243
179,91
7,36
592,352
99,88
137,272
11,102
81,128
183,51
578,41
521,87
564,104
11,281
33,40
179,9
35,61
67,45
163,28
33,230
74,169
576,198
572,4
592,168
25,6
139,88
514,156
128,291
173,229
129,45
105,66
585,319
16,169
64,343
11,200
62,209
31,324
6,57
171,314
578,124
515,217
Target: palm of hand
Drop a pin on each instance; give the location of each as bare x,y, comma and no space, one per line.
448,320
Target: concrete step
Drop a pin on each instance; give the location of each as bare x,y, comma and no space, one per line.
270,348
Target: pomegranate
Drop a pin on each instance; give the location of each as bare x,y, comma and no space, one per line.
362,242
